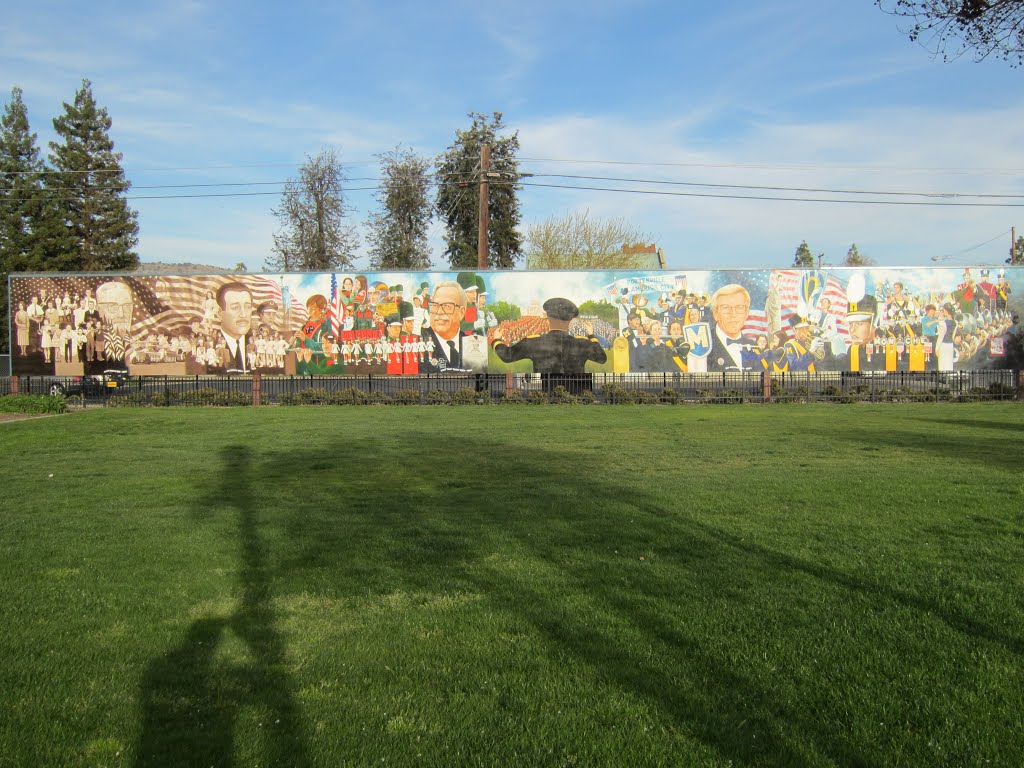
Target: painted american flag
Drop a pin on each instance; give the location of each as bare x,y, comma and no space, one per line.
334,311
801,287
179,301
167,304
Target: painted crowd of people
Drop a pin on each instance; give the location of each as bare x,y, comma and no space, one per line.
756,322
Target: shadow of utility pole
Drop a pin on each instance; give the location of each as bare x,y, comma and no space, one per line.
191,699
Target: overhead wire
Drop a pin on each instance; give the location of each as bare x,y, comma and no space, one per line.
463,178
469,179
779,167
768,198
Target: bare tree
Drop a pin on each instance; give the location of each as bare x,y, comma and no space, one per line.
950,28
576,241
314,235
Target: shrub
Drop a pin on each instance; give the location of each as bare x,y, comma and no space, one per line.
464,396
376,398
670,396
131,400
725,396
165,397
537,397
617,394
408,397
513,397
1001,391
438,397
33,404
586,397
347,396
563,396
233,398
315,396
643,397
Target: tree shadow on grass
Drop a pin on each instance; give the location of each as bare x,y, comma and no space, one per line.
973,422
191,699
975,447
368,524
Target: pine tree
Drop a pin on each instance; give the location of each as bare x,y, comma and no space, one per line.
398,233
458,172
30,227
854,258
90,185
803,257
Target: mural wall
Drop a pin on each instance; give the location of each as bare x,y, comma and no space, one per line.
873,319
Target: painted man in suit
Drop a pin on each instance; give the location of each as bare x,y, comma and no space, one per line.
730,350
235,302
447,310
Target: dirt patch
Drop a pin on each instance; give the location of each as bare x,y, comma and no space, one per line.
22,416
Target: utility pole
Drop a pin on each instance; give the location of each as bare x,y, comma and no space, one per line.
485,213
1013,245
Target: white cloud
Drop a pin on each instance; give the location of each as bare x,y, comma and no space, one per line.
888,149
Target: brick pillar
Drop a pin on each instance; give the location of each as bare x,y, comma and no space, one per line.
15,385
766,385
257,388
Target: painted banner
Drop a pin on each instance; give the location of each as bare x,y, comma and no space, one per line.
622,321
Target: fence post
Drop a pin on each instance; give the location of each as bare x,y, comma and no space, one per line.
15,385
766,386
257,388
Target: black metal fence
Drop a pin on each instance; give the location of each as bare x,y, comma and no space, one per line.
956,386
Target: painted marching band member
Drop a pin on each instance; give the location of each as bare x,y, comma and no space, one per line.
802,351
864,354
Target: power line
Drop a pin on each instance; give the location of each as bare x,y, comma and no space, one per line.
762,197
780,167
972,248
774,188
462,178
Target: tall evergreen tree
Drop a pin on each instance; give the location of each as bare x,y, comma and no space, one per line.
314,236
89,183
803,256
458,173
398,233
30,227
854,258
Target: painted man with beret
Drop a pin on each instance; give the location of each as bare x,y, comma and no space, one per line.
558,356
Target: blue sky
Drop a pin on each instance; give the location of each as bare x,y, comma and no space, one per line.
786,93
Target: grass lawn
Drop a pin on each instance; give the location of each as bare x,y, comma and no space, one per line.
500,586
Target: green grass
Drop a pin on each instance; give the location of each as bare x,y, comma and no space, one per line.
813,585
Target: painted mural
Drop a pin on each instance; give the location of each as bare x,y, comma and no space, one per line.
629,321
